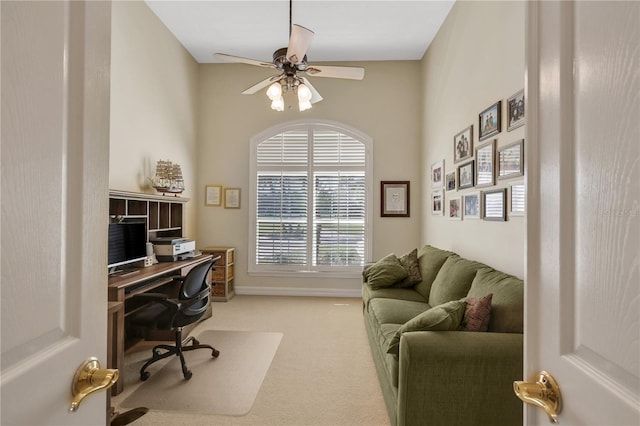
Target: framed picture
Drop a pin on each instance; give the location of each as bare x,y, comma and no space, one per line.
450,181
511,160
437,174
517,197
212,195
515,111
437,202
494,204
465,175
232,198
471,206
394,196
463,145
489,121
455,208
485,164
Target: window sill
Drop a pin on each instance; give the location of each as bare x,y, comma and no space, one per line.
308,274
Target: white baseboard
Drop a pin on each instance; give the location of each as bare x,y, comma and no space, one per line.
291,291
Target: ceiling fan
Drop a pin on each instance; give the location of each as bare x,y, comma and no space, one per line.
291,62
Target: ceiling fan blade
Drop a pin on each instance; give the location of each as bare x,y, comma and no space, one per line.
261,85
351,73
244,60
298,43
315,96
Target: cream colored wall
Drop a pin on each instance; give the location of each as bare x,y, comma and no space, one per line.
476,59
154,89
385,106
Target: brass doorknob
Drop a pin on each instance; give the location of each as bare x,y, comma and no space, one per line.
545,393
89,378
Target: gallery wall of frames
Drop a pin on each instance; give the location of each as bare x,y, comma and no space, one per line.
486,179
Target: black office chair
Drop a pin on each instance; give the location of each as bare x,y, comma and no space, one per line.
172,314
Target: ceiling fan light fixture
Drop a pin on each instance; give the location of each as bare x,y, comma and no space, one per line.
304,105
304,94
274,91
278,104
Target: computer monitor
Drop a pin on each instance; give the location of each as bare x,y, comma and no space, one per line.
127,244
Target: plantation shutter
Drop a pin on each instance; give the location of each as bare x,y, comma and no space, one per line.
310,200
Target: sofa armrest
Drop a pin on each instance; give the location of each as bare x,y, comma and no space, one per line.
459,378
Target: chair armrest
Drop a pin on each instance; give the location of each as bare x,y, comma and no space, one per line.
458,377
151,296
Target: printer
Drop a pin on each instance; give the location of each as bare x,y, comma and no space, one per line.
171,249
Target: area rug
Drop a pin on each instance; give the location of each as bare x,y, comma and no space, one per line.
225,385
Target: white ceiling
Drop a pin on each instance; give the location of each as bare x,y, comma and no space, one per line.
360,30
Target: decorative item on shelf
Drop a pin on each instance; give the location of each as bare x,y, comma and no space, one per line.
168,178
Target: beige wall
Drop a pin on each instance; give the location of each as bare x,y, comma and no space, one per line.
476,59
385,106
153,102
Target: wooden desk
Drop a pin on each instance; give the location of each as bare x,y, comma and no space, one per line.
122,288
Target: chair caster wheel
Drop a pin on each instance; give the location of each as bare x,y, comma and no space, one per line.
215,353
188,375
144,376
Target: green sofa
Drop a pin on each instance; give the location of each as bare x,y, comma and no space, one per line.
449,376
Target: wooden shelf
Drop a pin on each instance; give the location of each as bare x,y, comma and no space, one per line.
222,289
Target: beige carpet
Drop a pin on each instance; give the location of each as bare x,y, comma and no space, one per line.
225,385
322,374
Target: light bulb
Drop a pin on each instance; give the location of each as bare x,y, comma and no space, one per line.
304,94
274,91
304,105
278,104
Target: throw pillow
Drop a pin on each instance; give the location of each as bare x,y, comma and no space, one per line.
476,313
410,263
385,272
445,317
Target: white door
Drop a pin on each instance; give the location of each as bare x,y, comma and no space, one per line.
54,158
583,219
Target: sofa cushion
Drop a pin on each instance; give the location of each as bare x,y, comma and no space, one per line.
391,293
391,311
385,272
477,313
430,260
410,263
453,280
507,302
445,317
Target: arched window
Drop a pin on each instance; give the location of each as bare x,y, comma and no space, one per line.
310,198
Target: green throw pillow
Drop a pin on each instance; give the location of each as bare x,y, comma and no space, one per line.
410,263
385,272
445,317
430,260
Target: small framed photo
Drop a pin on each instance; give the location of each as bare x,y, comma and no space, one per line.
471,206
437,174
450,181
455,208
463,145
517,197
515,111
232,198
489,121
494,204
485,164
437,202
511,160
465,175
213,195
394,196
